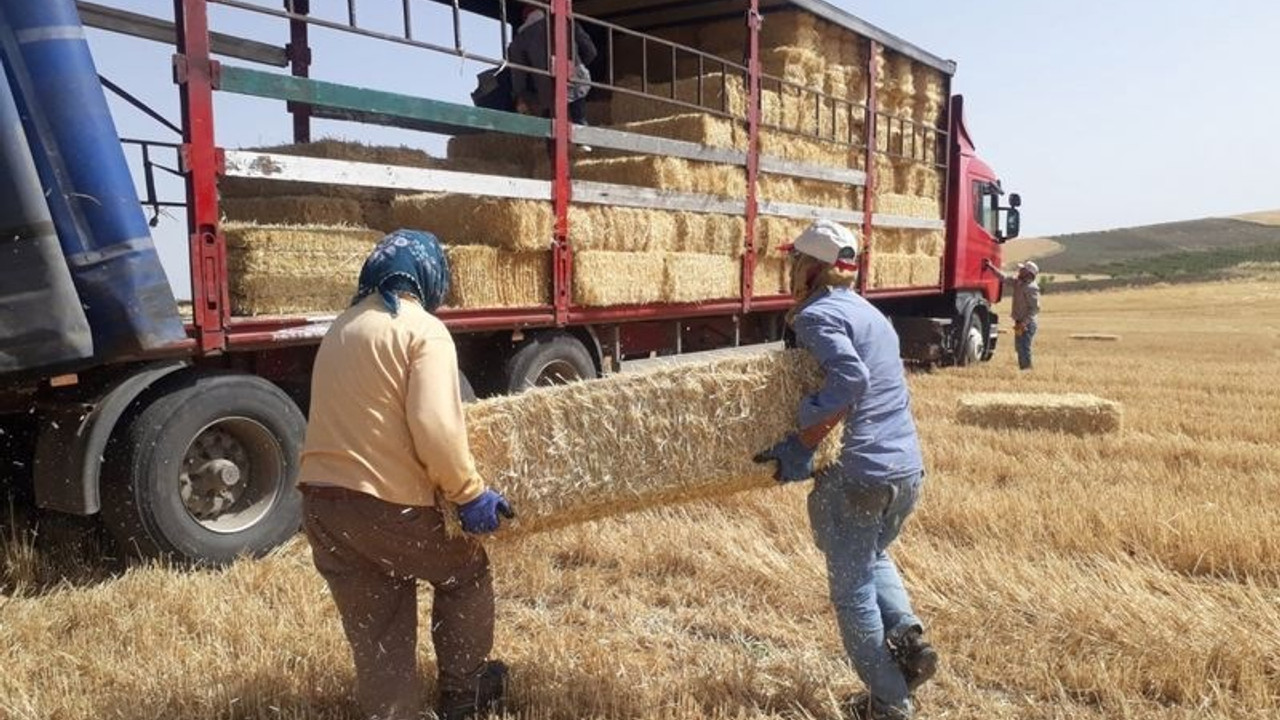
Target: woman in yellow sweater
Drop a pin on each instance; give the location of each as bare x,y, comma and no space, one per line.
386,441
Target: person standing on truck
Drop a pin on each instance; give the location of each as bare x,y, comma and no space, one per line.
858,506
534,93
1026,306
385,441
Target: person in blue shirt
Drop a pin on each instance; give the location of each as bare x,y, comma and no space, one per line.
858,506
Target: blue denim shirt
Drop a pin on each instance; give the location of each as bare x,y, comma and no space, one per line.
858,350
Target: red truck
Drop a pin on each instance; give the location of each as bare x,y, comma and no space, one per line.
187,446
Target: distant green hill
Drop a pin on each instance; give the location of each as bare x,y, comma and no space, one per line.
1169,249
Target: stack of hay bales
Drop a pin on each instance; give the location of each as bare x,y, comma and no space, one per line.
580,452
906,258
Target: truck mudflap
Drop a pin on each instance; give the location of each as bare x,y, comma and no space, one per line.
41,321
105,239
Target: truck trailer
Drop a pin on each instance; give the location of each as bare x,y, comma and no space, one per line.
716,129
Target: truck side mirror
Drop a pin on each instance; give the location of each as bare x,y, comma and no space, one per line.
1012,224
1015,200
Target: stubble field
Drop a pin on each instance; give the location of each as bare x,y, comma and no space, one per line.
1129,576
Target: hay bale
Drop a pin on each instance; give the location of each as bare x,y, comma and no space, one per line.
788,146
801,191
795,64
517,225
890,271
774,232
494,150
279,270
1071,413
329,149
772,277
666,173
617,229
716,91
486,277
1095,337
709,234
909,206
310,210
729,37
692,127
692,278
581,452
603,279
906,241
926,271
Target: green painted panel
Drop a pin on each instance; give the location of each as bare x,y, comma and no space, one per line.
418,113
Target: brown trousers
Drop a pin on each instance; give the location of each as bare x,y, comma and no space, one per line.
372,553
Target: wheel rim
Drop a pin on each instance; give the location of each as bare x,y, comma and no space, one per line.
974,344
557,372
231,474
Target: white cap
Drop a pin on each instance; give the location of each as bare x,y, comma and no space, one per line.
1030,267
828,242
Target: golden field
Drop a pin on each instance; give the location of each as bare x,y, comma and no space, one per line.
1133,576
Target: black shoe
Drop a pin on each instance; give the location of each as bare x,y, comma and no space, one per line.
488,698
916,657
860,706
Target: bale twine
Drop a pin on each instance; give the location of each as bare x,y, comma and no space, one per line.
1071,413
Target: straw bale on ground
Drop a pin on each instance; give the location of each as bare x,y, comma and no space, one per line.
602,278
666,173
692,278
1071,413
1095,337
484,277
519,225
580,452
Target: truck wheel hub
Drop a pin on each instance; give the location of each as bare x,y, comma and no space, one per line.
230,475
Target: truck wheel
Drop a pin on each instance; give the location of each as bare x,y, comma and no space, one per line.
548,359
972,347
204,472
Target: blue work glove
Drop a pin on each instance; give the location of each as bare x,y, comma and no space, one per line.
795,461
480,516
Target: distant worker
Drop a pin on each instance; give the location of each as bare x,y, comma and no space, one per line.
535,93
386,438
858,507
1026,306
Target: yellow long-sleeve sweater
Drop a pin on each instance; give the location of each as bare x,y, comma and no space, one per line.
386,414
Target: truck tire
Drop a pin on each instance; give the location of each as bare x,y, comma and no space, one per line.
971,345
203,471
548,359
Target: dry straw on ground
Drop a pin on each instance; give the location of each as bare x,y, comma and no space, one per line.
1073,413
581,452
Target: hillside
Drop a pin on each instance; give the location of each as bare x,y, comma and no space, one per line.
1097,252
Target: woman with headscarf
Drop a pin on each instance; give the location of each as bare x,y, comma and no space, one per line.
386,440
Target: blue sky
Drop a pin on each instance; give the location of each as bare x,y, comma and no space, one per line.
1102,113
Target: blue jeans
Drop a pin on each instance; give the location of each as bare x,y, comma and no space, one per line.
854,522
1023,344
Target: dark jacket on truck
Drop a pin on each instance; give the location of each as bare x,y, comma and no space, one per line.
530,48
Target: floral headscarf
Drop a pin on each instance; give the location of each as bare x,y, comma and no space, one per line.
406,261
